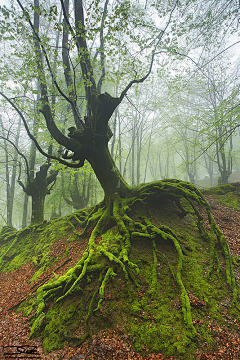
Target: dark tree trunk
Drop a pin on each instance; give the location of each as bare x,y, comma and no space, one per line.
106,171
38,200
119,144
38,189
224,165
79,191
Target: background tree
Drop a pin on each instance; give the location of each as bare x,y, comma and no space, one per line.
120,213
10,169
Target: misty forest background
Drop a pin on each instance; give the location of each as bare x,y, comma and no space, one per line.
181,122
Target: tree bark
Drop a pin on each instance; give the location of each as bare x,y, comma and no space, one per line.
106,171
38,189
25,211
11,177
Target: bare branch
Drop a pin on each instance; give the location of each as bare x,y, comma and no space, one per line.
229,132
195,63
19,152
36,142
101,49
85,62
45,54
135,81
237,42
67,71
83,52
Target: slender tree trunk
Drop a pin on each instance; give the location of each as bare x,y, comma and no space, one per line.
119,144
167,165
11,172
25,211
160,165
174,167
14,171
133,150
114,130
139,151
148,154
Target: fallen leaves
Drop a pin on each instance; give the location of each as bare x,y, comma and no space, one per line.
228,220
109,344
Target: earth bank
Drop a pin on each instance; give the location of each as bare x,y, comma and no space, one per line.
146,305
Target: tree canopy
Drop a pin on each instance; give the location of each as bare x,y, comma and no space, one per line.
97,69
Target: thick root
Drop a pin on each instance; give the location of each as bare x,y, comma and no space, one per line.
98,257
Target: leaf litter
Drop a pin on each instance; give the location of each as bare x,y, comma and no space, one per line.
110,344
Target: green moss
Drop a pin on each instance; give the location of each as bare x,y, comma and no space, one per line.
160,289
38,273
227,195
229,199
153,285
27,306
31,242
6,233
159,325
109,274
111,241
59,325
219,190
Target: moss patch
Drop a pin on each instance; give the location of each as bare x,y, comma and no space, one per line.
34,242
149,266
228,195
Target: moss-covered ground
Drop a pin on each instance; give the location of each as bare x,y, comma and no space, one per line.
228,195
145,265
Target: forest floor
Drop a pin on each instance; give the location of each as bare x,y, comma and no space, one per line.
109,344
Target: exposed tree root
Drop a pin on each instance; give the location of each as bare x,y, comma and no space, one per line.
106,257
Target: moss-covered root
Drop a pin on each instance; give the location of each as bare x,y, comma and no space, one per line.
216,232
90,220
171,188
108,274
175,190
125,227
167,234
87,328
66,283
153,285
228,258
90,260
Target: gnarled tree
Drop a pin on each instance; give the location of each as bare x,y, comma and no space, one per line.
88,141
38,187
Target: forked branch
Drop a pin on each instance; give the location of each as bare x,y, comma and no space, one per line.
160,36
35,140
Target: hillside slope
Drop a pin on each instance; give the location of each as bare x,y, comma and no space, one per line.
145,318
